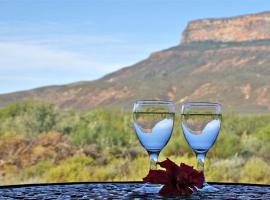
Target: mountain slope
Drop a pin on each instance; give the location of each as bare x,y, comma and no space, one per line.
234,72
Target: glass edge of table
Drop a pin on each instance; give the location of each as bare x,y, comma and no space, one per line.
115,182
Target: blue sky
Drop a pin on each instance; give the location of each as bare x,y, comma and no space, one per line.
48,42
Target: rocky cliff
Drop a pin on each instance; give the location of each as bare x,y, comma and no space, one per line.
233,29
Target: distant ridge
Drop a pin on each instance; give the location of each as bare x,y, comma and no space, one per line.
225,60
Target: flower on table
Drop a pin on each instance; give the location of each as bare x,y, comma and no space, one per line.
176,180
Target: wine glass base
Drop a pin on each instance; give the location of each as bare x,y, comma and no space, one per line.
148,189
207,188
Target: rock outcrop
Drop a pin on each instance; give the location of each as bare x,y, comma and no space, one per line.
233,29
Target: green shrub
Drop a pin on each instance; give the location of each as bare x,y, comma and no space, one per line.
255,171
263,133
250,145
38,170
113,171
227,145
225,170
103,127
86,133
76,168
27,118
260,145
137,169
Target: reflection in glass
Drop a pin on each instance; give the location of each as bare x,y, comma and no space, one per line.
201,122
153,122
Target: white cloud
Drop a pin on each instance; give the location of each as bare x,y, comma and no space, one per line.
39,54
26,66
32,57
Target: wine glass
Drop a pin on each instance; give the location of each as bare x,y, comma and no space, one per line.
153,122
200,122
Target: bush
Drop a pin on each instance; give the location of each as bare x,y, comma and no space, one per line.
38,170
227,145
103,127
73,169
262,143
137,169
27,118
250,145
255,171
225,170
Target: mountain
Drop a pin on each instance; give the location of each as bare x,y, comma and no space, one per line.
225,60
233,29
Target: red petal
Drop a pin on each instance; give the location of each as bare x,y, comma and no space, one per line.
171,167
197,179
157,177
185,191
168,190
190,176
186,168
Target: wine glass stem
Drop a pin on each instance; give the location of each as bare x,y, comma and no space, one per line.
200,161
153,156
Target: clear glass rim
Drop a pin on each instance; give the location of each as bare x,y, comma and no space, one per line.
153,102
201,104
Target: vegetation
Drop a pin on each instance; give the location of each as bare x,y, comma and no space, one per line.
40,143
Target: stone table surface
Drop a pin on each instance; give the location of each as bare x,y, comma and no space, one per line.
124,190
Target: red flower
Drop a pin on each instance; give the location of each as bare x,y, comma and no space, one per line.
176,180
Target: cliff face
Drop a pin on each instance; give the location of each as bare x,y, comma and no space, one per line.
234,29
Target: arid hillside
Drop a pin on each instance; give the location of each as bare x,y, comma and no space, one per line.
225,60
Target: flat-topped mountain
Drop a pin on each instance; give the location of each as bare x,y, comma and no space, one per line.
225,65
233,29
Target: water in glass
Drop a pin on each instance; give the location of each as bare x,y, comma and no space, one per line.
201,130
153,129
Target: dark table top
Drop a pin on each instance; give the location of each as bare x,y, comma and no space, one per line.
124,191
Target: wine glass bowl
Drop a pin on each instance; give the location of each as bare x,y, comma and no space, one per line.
200,123
200,126
153,122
